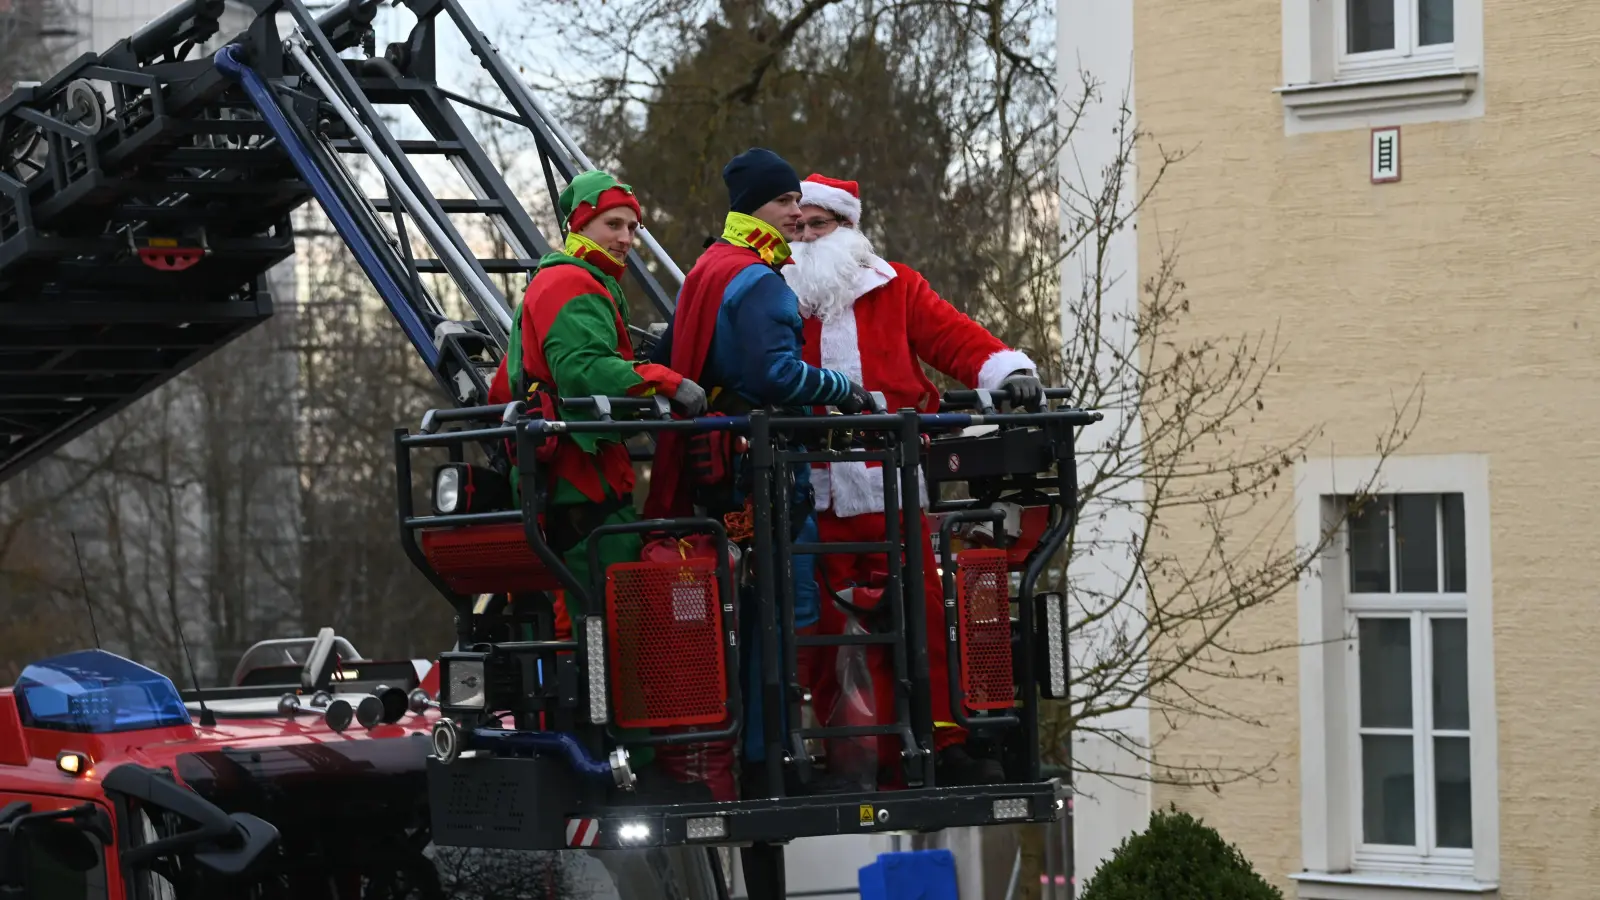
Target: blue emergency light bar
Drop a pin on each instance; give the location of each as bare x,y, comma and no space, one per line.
95,692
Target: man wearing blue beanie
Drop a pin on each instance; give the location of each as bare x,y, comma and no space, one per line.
759,178
737,324
737,329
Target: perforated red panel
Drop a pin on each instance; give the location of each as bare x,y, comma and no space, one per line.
983,594
667,663
486,559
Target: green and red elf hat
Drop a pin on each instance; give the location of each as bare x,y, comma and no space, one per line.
591,194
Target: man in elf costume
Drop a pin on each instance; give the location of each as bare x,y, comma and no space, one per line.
852,300
572,340
737,330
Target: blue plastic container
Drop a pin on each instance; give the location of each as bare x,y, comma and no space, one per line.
915,875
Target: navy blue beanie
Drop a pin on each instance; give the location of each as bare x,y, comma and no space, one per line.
756,177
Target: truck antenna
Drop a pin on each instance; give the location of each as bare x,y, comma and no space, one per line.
207,720
84,580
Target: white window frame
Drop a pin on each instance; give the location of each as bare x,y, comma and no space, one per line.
1336,865
1430,858
1326,89
1405,58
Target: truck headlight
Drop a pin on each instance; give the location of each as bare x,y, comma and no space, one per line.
463,685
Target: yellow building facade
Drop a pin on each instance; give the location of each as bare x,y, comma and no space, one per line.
1404,189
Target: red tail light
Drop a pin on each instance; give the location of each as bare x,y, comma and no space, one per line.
486,559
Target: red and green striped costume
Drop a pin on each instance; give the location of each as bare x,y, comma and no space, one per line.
574,338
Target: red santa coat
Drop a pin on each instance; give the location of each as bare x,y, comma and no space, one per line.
896,323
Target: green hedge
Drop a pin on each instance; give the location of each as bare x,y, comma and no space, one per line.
1178,858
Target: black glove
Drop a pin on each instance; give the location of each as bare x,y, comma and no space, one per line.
858,400
1026,390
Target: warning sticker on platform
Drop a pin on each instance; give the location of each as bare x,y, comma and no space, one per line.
866,814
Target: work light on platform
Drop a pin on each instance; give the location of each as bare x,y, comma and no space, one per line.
447,482
462,685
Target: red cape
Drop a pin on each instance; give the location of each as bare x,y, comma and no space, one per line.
693,325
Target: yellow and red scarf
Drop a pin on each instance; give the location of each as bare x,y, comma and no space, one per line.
580,247
748,231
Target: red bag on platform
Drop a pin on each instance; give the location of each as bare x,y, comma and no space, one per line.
671,549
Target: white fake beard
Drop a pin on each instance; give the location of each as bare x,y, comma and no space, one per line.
826,271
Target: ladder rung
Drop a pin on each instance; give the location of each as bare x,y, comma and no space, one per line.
350,145
382,204
434,266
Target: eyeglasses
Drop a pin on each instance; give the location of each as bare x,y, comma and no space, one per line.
826,224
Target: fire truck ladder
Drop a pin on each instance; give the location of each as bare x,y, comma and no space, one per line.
145,192
348,97
140,210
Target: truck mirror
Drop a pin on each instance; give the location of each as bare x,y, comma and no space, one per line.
226,844
257,837
60,835
96,822
65,843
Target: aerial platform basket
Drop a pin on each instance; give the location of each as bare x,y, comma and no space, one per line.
666,646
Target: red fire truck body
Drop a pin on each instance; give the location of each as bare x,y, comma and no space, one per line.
101,759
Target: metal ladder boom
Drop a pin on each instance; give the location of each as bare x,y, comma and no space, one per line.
352,91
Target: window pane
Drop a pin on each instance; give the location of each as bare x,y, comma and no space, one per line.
1455,544
1416,542
1450,674
1436,22
1370,25
1385,672
1369,547
1388,786
1452,772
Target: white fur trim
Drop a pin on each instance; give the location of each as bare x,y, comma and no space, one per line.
841,347
874,275
1000,364
835,200
854,489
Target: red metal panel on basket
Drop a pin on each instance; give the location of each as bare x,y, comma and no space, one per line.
486,559
983,599
667,663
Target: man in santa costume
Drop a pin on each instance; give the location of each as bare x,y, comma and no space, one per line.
853,301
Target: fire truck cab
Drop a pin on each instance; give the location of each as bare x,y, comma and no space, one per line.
115,784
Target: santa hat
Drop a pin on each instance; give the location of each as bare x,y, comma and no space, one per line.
842,198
